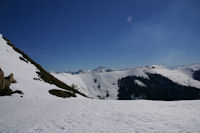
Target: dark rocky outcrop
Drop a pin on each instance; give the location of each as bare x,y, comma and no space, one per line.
4,81
61,93
10,78
23,59
5,84
196,75
1,79
156,87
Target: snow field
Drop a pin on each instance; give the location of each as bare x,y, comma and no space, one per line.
75,115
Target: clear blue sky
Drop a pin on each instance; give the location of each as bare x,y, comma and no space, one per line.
78,34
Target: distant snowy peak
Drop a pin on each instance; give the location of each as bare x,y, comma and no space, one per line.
155,66
192,66
79,71
101,69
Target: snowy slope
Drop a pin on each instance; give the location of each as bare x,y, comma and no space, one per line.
180,76
104,84
76,115
24,73
189,69
98,83
72,80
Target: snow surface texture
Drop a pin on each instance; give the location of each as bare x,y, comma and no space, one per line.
24,73
102,82
75,115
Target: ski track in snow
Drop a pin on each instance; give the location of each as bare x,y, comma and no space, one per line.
81,115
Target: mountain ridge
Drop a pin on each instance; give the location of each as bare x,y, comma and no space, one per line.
100,85
11,55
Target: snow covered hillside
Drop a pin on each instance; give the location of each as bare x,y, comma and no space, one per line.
40,112
31,78
75,115
103,84
98,83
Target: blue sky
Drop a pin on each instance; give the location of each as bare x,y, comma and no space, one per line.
66,35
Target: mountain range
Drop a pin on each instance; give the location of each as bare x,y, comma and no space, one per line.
105,83
150,82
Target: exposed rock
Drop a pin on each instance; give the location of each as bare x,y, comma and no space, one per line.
5,84
5,92
196,75
1,79
61,93
10,78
